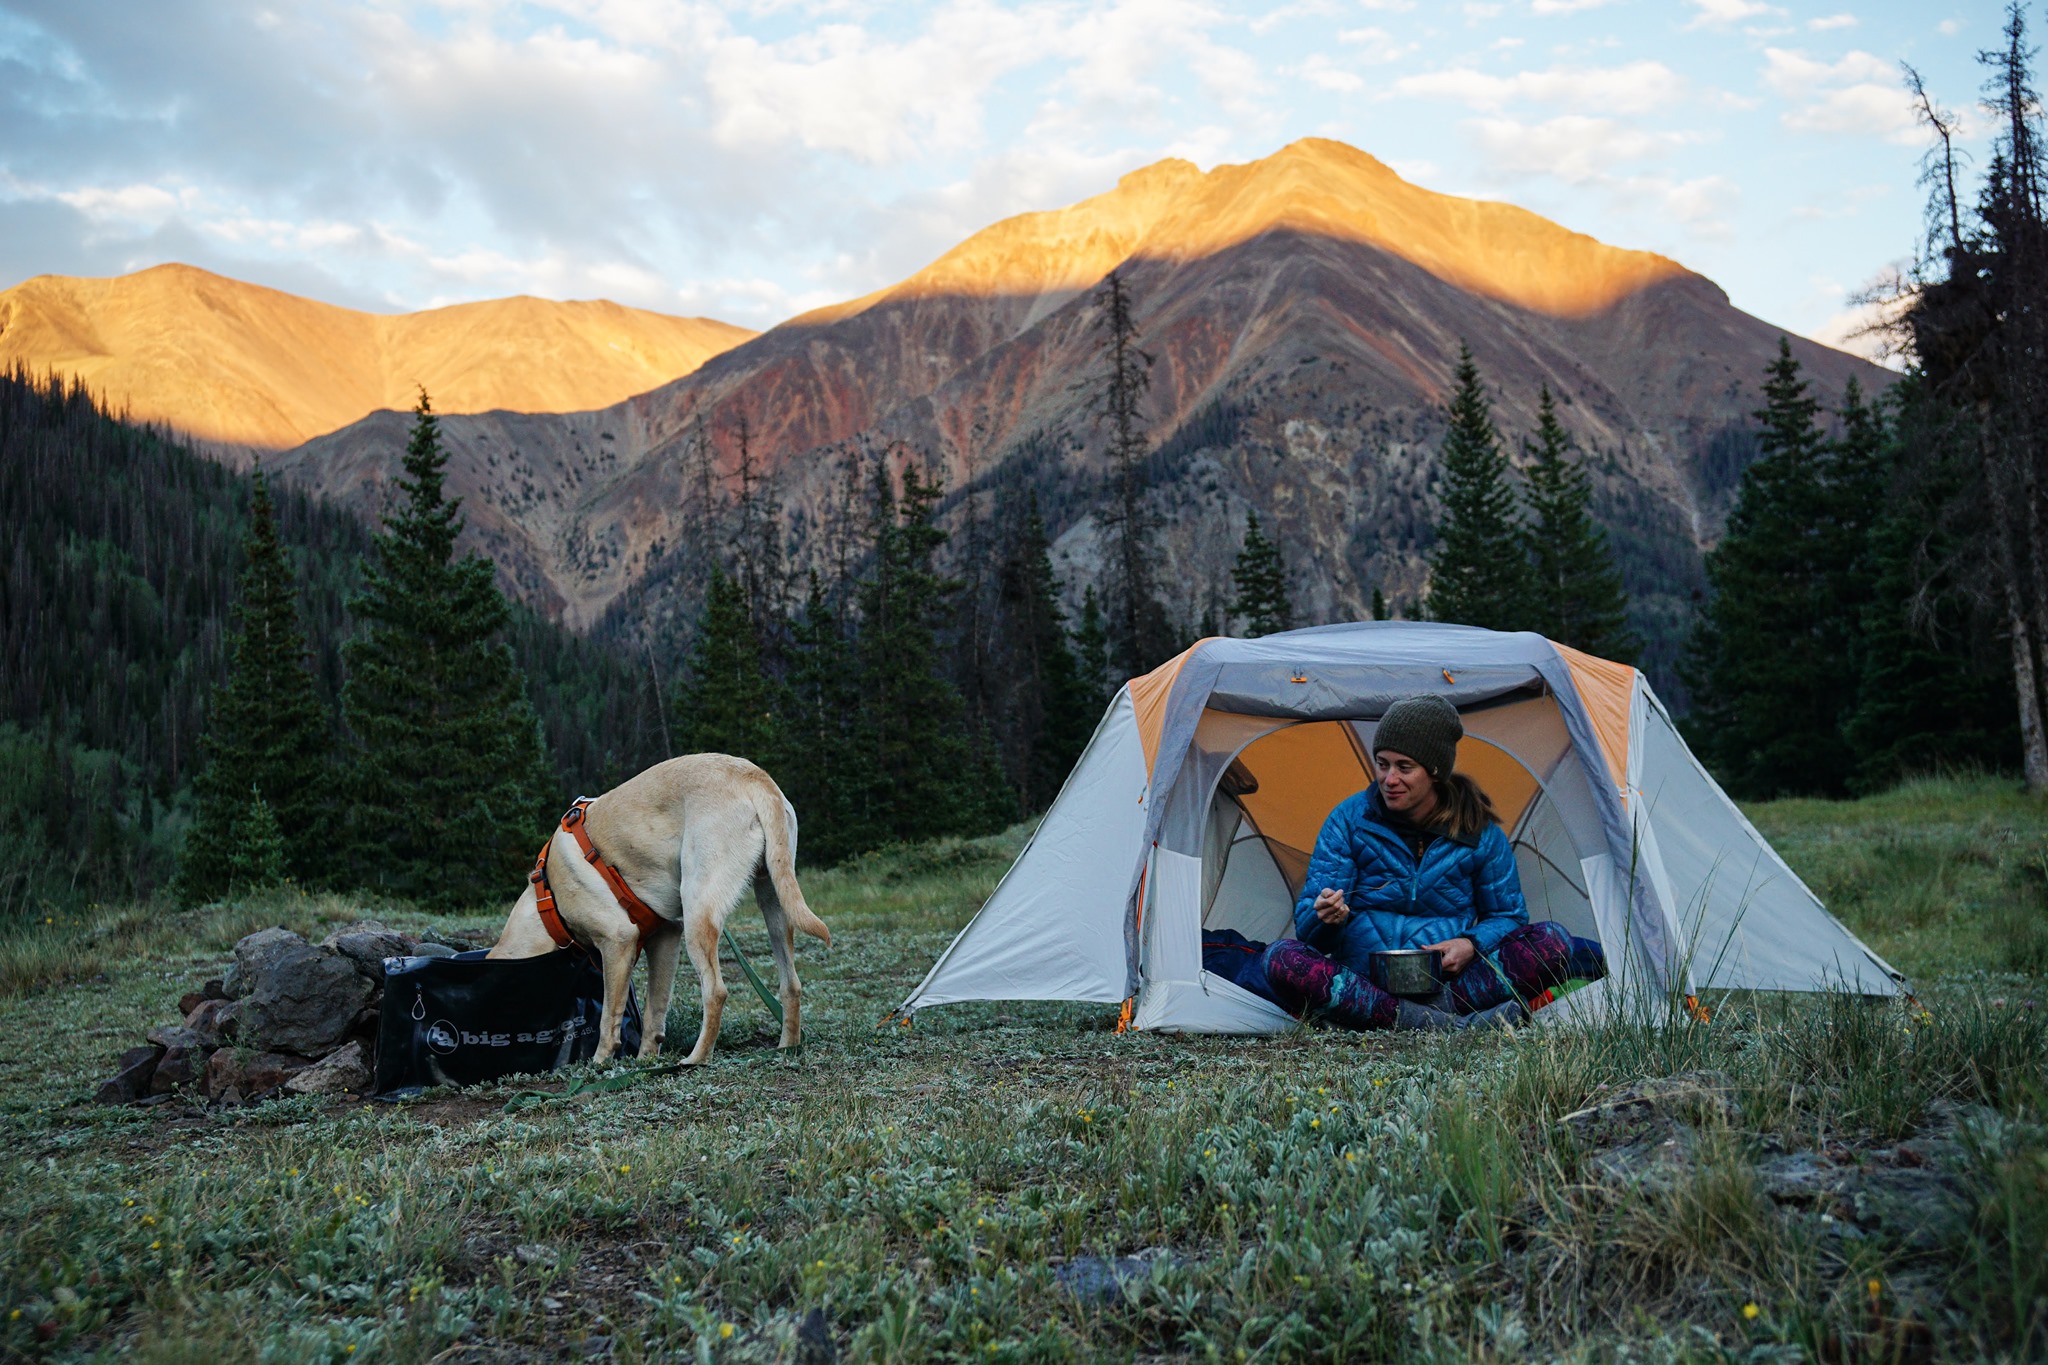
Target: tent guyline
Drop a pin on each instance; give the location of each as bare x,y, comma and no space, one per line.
1197,803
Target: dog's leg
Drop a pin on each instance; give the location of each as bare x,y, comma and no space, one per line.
700,935
782,942
617,955
664,945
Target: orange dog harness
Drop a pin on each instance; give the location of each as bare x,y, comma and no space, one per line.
636,909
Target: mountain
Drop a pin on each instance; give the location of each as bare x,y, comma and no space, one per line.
1303,313
238,365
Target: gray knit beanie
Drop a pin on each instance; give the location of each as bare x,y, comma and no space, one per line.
1427,729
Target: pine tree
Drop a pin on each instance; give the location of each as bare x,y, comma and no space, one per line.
1091,650
1769,660
1379,606
450,792
1927,685
258,857
725,703
821,769
1261,582
1478,573
1578,598
923,774
266,730
757,541
1051,711
1137,624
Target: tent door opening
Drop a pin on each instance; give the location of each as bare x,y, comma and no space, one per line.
1269,794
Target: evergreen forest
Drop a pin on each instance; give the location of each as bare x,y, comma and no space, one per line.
116,612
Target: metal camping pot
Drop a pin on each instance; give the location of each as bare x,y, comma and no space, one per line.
1412,972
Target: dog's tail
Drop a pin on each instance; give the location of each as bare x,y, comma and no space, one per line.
778,826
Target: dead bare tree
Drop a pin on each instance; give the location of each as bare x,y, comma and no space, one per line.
1978,324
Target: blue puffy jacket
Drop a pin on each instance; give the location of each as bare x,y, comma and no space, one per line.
1465,886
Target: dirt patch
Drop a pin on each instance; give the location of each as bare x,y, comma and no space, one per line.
454,1111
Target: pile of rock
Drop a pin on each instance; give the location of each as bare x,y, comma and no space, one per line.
290,1017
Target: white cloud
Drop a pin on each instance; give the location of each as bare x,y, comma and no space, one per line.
1376,46
1949,28
1636,87
1548,7
1858,95
1832,21
147,202
1325,74
1720,13
1116,52
1574,148
841,89
1592,153
1300,9
1796,75
1387,6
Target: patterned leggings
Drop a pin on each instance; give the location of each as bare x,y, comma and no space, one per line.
1536,958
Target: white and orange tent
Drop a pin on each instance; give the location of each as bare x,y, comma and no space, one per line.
1198,800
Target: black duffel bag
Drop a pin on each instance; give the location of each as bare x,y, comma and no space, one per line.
463,1019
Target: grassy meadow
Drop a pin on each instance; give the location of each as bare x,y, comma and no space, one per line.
963,1189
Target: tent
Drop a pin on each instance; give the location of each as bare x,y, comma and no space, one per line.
1198,801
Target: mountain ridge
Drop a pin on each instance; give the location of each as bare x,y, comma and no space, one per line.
249,368
1315,290
1304,310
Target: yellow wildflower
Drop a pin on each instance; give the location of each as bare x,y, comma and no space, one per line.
1750,1311
725,1330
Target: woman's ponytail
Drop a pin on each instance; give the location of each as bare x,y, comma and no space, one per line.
1464,809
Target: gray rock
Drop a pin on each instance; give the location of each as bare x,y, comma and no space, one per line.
213,1021
433,950
452,944
266,1071
296,997
1656,1162
254,954
1800,1178
1922,1209
131,1077
1653,1108
1103,1278
814,1344
344,1071
176,1035
367,945
192,1000
176,1069
223,1075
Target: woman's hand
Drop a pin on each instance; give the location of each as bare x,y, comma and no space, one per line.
1458,953
1330,907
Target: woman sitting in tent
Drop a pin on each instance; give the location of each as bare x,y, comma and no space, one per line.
1417,861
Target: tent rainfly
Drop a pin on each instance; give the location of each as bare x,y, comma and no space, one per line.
1198,801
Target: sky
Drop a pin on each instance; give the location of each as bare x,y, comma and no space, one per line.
746,161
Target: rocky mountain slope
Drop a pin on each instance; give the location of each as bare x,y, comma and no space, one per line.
240,366
1303,313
